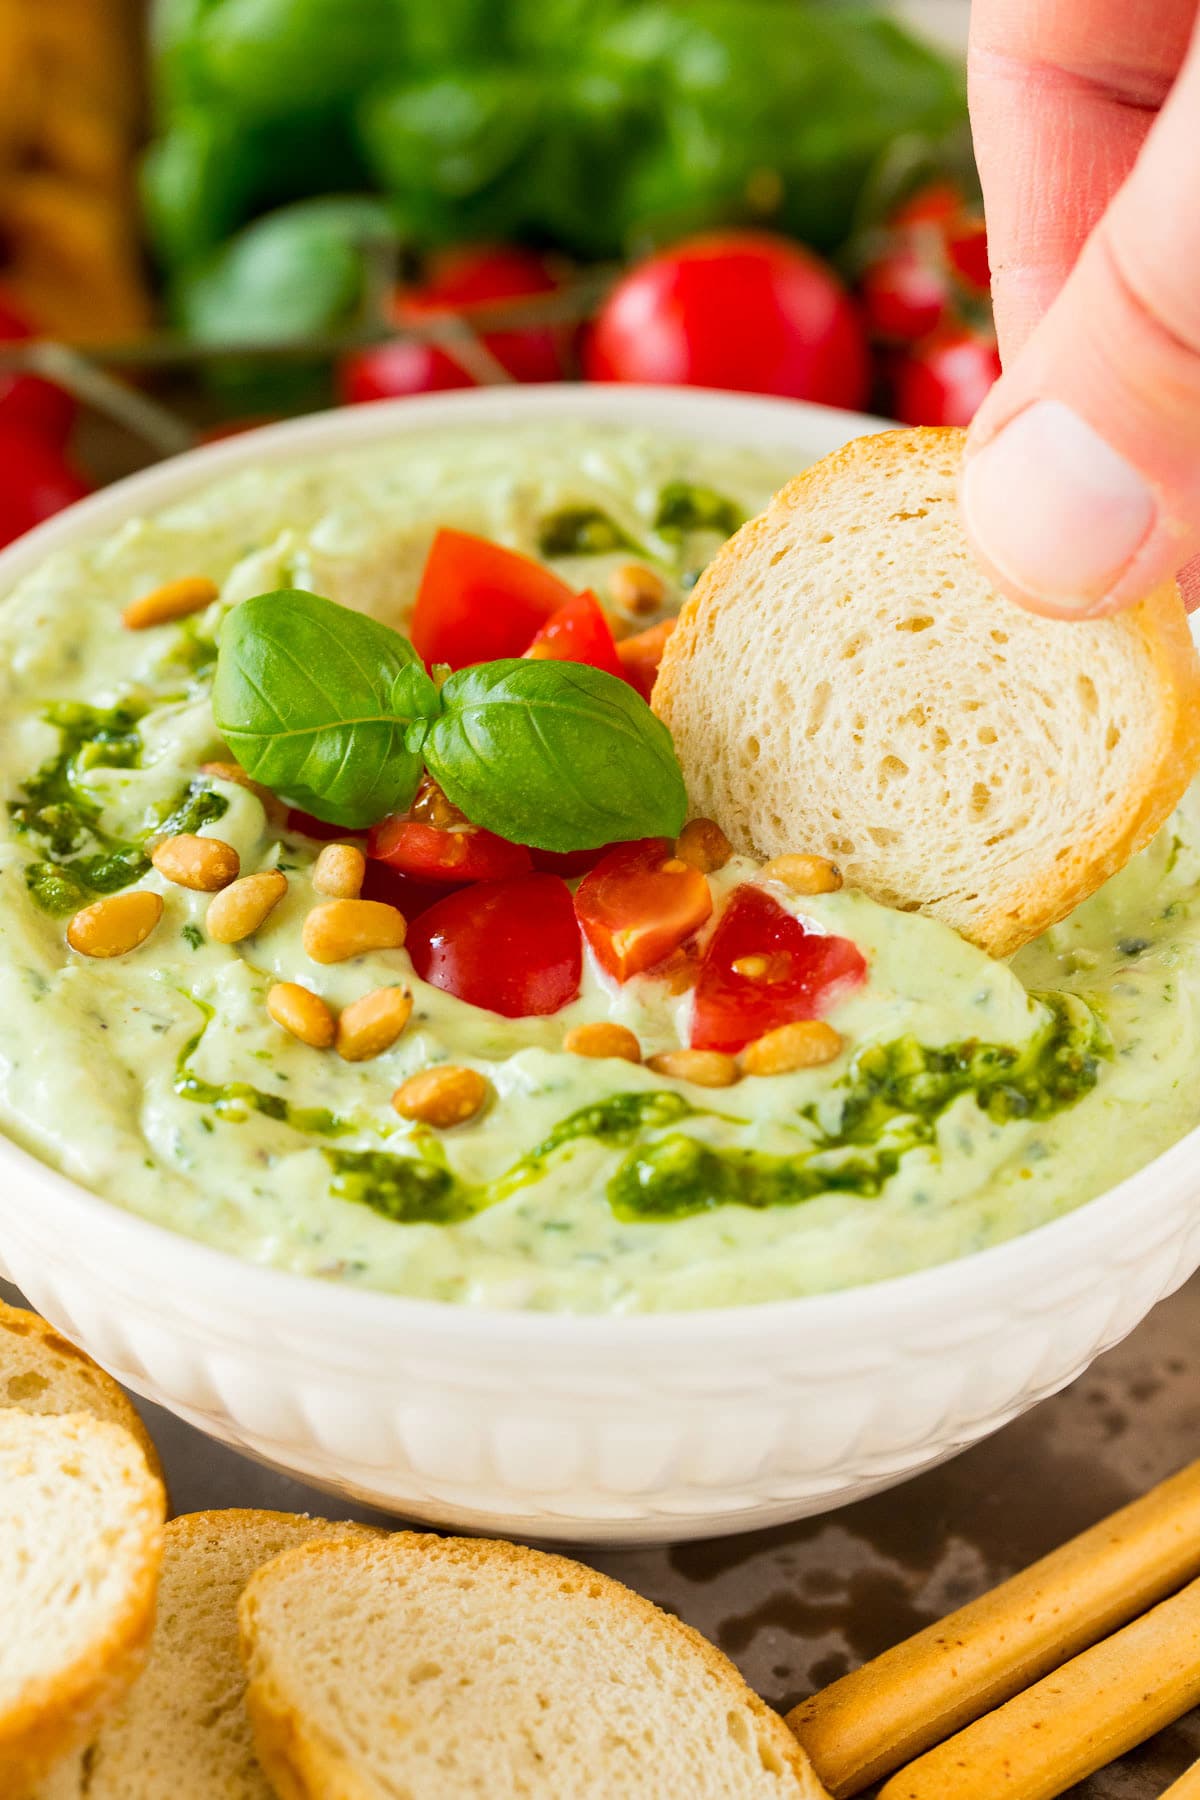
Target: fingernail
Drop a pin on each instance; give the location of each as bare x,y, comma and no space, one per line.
1054,508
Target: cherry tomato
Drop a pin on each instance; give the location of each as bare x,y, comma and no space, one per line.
27,402
310,826
569,863
945,380
734,309
578,632
512,947
382,882
966,246
641,654
936,203
459,281
427,853
639,904
762,968
478,601
904,295
36,481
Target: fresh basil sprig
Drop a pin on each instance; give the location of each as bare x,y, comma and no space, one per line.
334,712
323,705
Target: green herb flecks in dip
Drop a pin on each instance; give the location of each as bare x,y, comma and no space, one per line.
581,531
965,1110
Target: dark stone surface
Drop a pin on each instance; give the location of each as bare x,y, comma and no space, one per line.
798,1605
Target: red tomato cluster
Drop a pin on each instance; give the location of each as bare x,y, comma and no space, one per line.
37,477
925,300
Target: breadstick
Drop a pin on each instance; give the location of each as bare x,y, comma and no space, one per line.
884,1714
1075,1721
1187,1787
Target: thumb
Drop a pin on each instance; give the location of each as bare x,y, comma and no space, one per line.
1081,485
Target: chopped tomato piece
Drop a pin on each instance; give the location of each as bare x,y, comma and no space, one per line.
512,947
382,882
569,863
310,826
478,601
641,654
639,904
578,632
763,967
429,853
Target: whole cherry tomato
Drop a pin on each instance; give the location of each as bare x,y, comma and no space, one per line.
412,898
904,295
944,380
27,402
733,309
36,481
459,281
762,968
478,601
639,904
512,947
578,632
428,853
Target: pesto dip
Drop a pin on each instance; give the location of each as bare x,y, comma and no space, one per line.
973,1099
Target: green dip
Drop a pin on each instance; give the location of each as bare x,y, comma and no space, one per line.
974,1099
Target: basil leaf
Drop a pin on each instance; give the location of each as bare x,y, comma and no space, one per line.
324,706
555,754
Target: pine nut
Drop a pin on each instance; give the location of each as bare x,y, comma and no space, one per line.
441,1097
301,1012
371,1025
274,808
116,925
804,874
603,1039
174,600
239,910
706,1068
637,589
703,845
339,871
805,1044
340,929
203,863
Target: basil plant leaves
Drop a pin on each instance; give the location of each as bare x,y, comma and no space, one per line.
335,712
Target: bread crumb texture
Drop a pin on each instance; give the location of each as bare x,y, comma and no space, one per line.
424,1668
81,1520
845,681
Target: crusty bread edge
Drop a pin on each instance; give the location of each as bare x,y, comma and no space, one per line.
1160,619
22,1319
301,1765
62,1712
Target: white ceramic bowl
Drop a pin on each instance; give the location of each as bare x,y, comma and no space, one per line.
593,1429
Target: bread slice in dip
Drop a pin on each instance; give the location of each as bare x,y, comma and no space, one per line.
845,680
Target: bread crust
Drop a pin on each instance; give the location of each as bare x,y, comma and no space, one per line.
56,1714
1011,918
301,1765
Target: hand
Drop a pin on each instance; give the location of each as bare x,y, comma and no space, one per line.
1081,489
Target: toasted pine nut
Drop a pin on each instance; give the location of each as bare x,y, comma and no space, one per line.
804,874
637,589
804,1044
371,1025
301,1012
442,1097
174,600
706,1068
274,808
340,929
239,910
116,925
603,1039
196,862
704,845
339,871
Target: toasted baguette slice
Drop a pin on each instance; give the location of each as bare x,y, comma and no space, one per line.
845,680
441,1669
182,1733
81,1520
42,1372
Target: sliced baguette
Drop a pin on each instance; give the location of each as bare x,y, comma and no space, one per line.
182,1732
81,1521
42,1372
424,1668
845,680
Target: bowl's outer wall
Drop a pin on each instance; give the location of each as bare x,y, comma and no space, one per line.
625,1429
